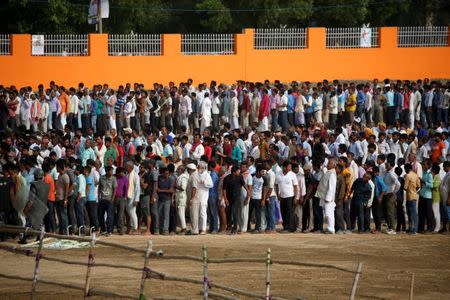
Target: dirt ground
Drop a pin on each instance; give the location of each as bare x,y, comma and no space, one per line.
388,262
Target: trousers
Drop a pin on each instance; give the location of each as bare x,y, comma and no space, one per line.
71,208
254,207
120,204
270,213
198,216
425,214
357,212
62,217
131,210
298,216
328,213
213,214
318,214
287,213
437,216
181,213
106,206
389,205
244,216
164,215
339,216
91,207
236,210
411,209
377,214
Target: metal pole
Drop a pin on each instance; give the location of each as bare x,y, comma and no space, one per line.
145,271
99,13
268,263
36,266
89,266
355,282
205,273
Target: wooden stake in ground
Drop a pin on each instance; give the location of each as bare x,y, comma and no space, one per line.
268,263
205,273
411,289
36,266
145,271
355,282
89,266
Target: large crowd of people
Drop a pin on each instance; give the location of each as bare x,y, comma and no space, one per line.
193,159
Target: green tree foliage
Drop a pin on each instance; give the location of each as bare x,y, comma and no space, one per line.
53,16
191,16
139,16
340,13
218,19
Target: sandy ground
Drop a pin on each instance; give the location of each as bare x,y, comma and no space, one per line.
388,262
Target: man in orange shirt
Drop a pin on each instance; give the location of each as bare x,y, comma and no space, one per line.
49,220
64,101
438,149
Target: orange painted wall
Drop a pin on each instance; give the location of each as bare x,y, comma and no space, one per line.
313,63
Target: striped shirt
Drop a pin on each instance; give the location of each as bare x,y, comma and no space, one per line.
118,106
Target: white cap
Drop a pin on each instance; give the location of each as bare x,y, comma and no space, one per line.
191,167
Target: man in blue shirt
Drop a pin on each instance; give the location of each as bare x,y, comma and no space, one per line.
360,101
291,107
390,105
425,198
213,199
380,190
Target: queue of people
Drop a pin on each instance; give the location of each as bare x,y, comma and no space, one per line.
325,158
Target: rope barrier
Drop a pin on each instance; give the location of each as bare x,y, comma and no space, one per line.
147,273
255,260
71,286
152,273
185,257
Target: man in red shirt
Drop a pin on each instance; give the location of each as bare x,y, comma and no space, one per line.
438,148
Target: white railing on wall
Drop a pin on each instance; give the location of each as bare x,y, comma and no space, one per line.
280,38
356,37
5,44
207,44
134,44
59,45
432,36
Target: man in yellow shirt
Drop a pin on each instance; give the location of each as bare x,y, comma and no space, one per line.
412,185
350,106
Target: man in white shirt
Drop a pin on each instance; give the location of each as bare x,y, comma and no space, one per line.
395,146
202,182
368,105
286,186
326,192
302,191
205,113
86,110
333,109
185,109
234,111
282,112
